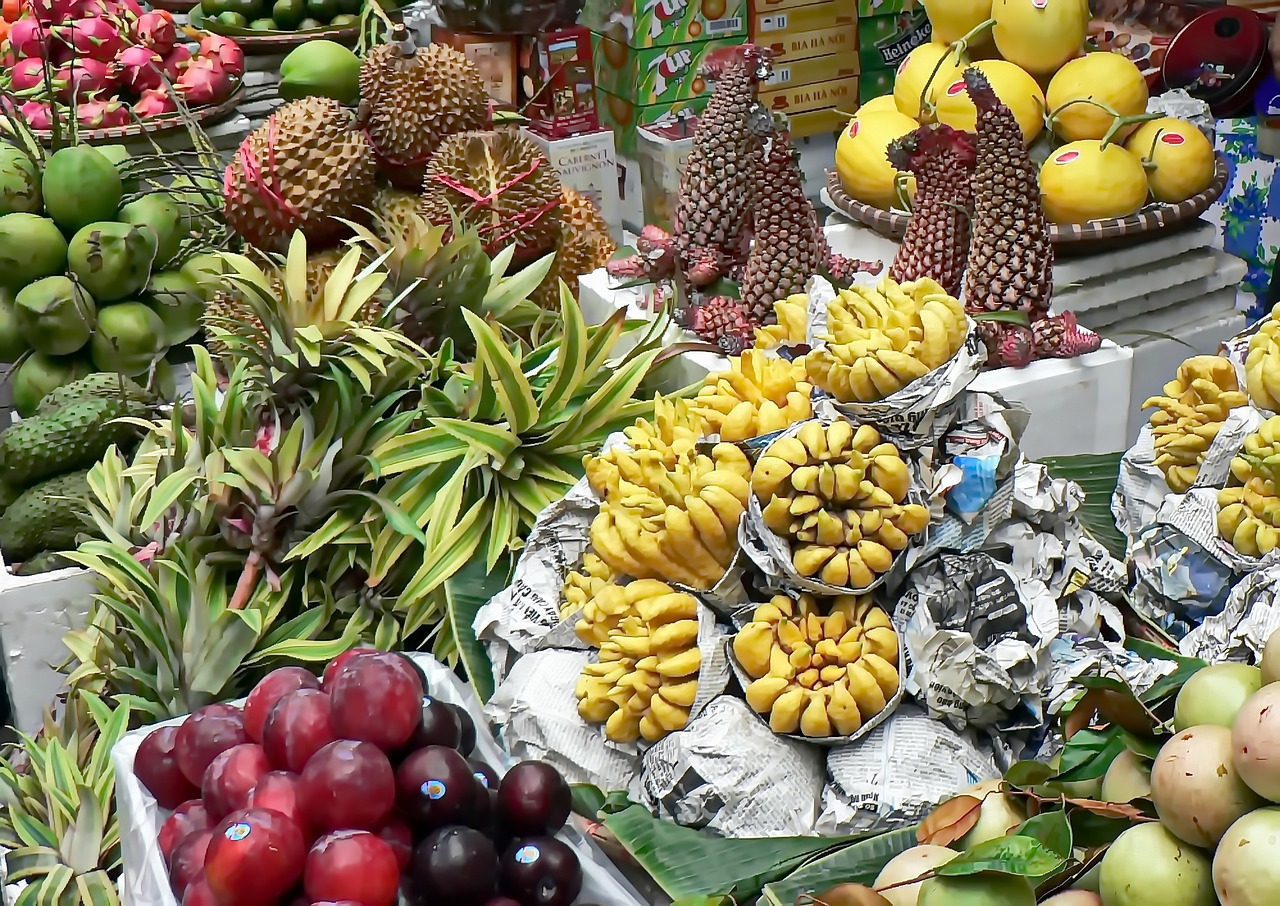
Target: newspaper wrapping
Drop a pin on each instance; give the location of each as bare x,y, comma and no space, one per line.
145,882
898,773
1075,656
1180,104
710,775
1240,631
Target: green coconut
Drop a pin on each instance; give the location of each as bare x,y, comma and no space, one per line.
177,299
31,247
19,182
112,260
128,339
321,69
163,220
12,345
207,270
80,186
39,375
119,157
55,315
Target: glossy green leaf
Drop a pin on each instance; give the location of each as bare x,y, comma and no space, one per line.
515,396
1097,476
466,591
1025,857
1088,754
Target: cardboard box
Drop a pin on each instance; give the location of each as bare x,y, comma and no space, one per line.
827,121
836,94
588,164
658,23
630,194
494,56
869,8
787,47
625,118
765,7
885,41
664,151
875,83
815,69
814,17
557,85
655,75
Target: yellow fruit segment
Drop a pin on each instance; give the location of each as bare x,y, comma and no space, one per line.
1086,181
1180,160
864,170
1189,414
759,394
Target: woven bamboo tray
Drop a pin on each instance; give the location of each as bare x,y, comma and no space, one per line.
258,43
1146,224
156,124
174,6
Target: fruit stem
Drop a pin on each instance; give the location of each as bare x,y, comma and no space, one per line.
900,189
959,48
1123,121
248,579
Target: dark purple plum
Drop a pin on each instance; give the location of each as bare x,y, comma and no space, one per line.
533,799
457,865
231,777
186,819
270,689
205,735
376,698
439,726
187,862
435,786
540,871
297,727
468,744
156,766
348,785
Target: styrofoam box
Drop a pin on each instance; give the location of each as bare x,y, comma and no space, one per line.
145,881
587,164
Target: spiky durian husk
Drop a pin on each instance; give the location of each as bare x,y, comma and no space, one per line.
712,213
415,98
585,245
306,165
227,307
789,245
936,243
1010,263
393,210
500,184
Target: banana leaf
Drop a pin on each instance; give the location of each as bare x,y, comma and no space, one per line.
857,863
692,864
466,591
1097,476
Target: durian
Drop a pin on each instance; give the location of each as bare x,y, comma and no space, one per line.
393,212
585,245
501,184
305,165
413,98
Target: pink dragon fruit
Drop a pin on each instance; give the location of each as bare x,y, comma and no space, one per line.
122,10
203,83
155,102
140,68
175,61
225,51
28,76
92,39
156,30
37,114
84,79
52,12
28,38
103,114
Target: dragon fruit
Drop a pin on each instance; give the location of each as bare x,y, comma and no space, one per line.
52,12
84,79
29,38
225,51
27,76
203,83
103,114
123,10
157,31
92,39
38,115
155,102
175,61
140,68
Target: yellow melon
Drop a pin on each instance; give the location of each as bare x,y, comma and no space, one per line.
953,19
886,103
1081,91
921,75
1085,181
1011,84
864,170
1180,160
1039,35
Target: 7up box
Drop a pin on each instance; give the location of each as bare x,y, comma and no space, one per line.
654,75
885,41
660,23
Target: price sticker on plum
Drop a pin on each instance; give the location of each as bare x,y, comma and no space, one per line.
237,832
434,789
527,855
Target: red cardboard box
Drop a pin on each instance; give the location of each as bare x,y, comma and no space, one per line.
557,84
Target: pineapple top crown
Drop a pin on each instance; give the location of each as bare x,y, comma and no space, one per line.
980,91
930,142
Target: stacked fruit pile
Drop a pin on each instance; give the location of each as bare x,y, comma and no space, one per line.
1108,158
352,789
107,63
1189,415
234,16
90,283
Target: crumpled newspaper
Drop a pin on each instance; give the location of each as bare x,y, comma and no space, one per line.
1240,631
729,773
1178,103
979,453
898,773
978,633
1075,656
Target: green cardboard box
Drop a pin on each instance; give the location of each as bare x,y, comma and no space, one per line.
875,83
869,8
654,75
884,41
658,23
626,118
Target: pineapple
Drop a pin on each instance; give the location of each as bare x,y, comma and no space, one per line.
937,239
1010,265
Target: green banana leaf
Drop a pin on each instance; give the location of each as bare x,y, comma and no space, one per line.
856,863
466,591
1097,475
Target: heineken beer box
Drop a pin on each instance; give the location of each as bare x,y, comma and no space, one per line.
885,41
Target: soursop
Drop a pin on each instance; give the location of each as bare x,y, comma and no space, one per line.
99,385
43,562
46,517
74,437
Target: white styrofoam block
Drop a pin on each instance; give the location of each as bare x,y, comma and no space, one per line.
1073,402
630,194
35,613
1143,282
1227,270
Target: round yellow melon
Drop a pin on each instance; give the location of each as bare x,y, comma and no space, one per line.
886,103
1011,84
922,74
1080,92
1180,160
864,170
1039,35
1085,181
953,19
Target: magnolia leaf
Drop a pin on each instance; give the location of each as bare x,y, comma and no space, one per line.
1088,754
1052,829
950,821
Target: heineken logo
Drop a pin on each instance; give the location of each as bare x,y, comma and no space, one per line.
1066,157
1172,138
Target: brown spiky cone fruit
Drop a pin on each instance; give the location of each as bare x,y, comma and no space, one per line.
1010,265
936,243
712,218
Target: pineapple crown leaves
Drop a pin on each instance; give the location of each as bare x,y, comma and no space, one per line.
58,823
